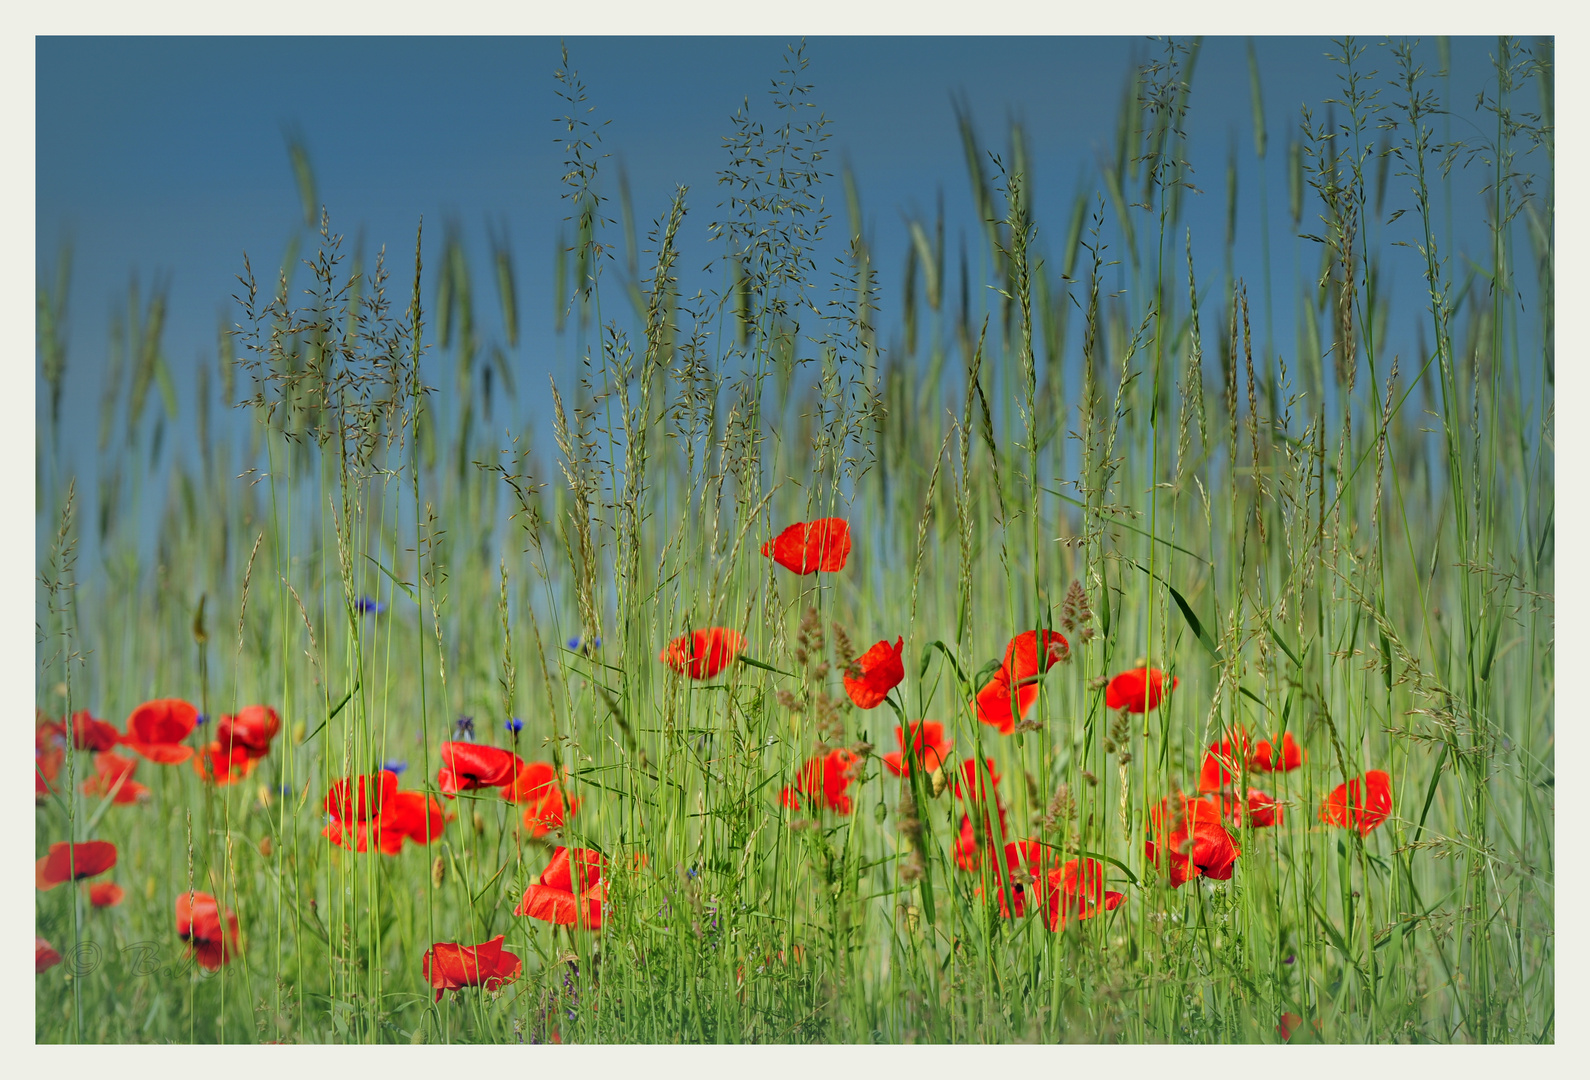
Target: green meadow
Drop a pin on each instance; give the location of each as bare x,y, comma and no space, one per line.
1068,425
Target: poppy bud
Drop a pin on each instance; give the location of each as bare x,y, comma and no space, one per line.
940,782
265,846
480,823
879,813
438,872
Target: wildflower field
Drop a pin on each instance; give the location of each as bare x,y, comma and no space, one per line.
1018,648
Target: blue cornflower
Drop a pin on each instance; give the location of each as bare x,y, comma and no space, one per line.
578,645
514,725
396,767
366,606
202,719
465,726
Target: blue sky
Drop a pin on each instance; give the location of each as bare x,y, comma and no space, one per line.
166,156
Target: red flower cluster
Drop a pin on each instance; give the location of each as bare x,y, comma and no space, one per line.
365,807
536,785
1223,760
703,653
874,673
450,966
1226,759
824,780
1359,804
1137,690
570,890
1190,836
156,730
804,548
199,924
1006,697
73,862
1072,890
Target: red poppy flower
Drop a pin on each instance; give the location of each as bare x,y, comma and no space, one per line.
1263,811
156,730
826,777
467,766
73,862
355,799
49,754
968,852
354,803
44,955
1193,839
1137,690
1222,762
199,924
970,847
220,767
104,894
929,745
1290,1022
47,734
969,775
536,785
804,548
251,730
91,734
1350,808
410,815
1265,758
450,966
110,769
1077,889
570,890
881,670
1007,696
703,653
1025,867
